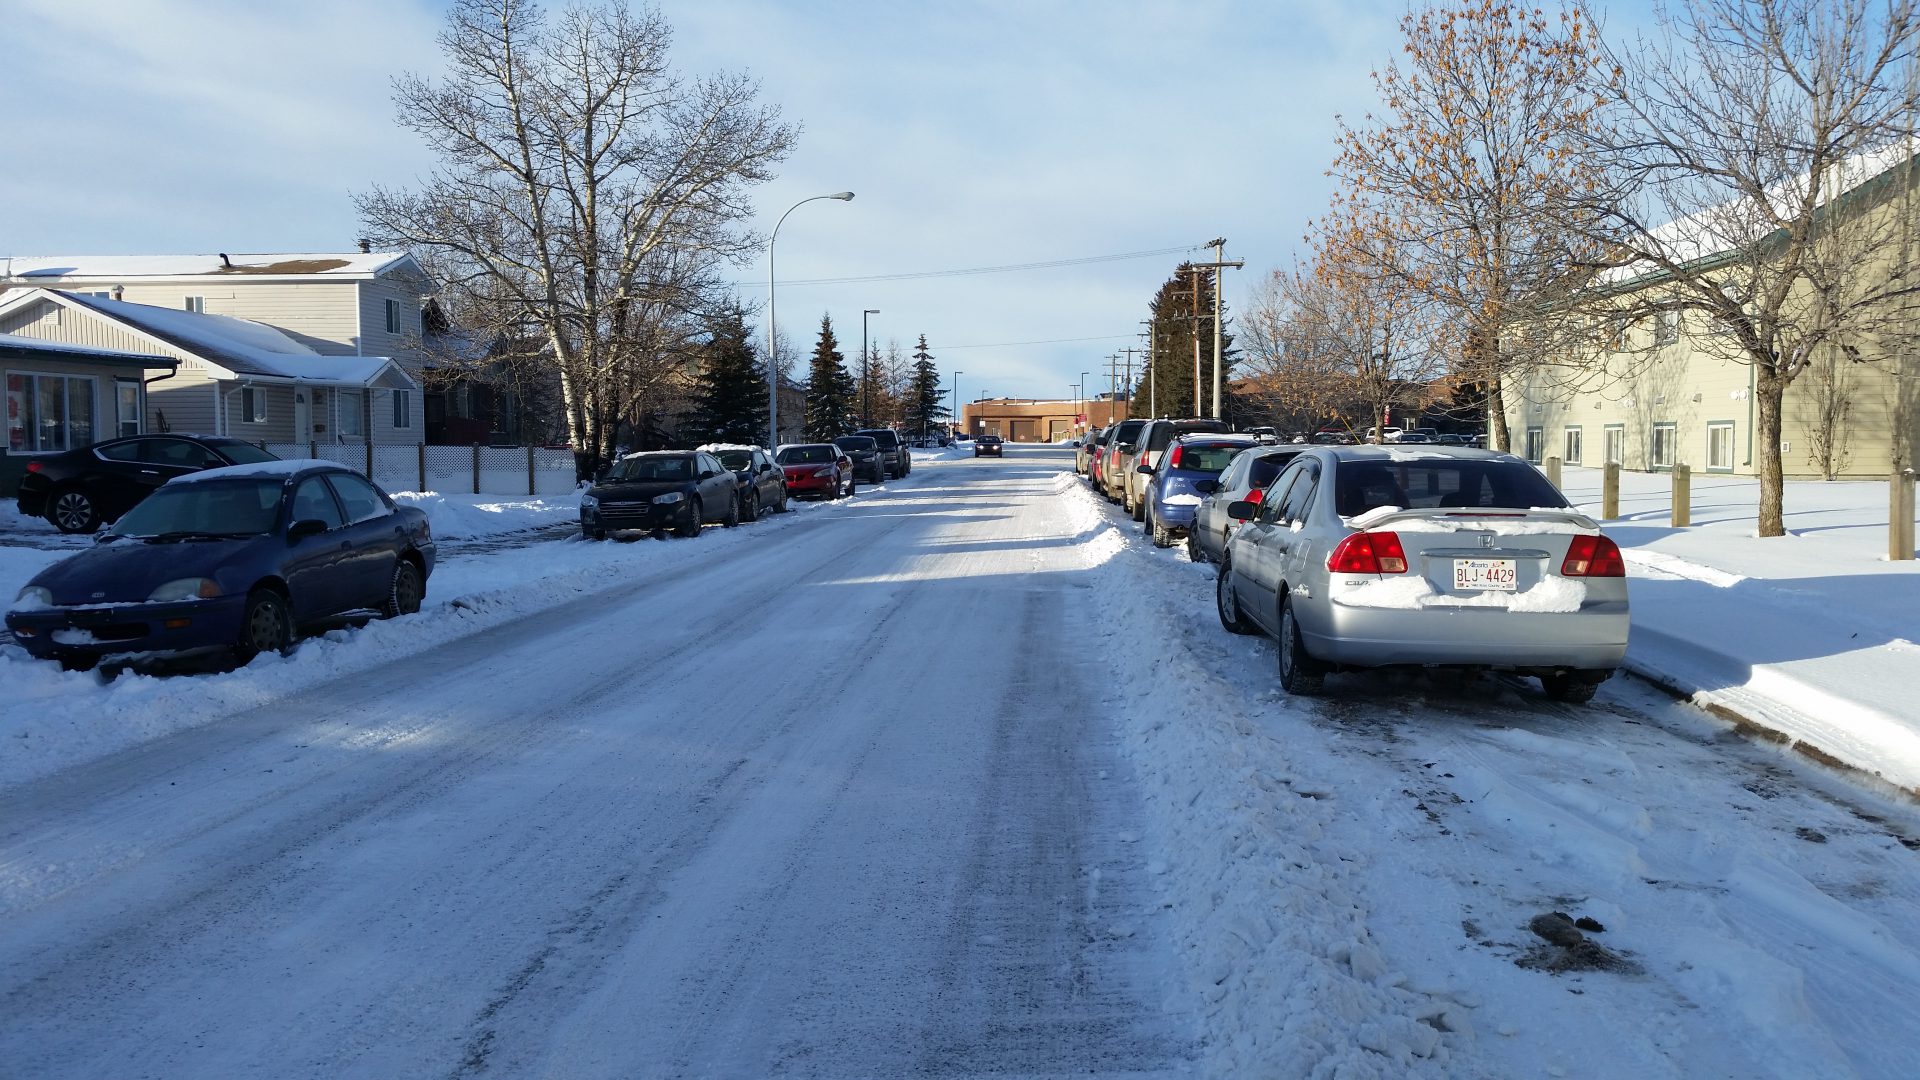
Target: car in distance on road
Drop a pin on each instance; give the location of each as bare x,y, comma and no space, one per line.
866,457
817,470
894,456
239,558
988,444
1374,556
1188,471
80,490
659,490
1246,478
763,486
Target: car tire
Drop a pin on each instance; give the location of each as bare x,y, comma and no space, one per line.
782,507
691,526
1139,507
406,590
1300,674
266,625
78,662
1161,537
732,520
1195,553
751,511
1573,687
1228,605
72,510
853,485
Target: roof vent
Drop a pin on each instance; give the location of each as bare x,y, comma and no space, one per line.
225,263
366,246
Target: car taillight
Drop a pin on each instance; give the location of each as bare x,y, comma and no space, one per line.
1173,460
1257,496
34,466
1369,553
1593,556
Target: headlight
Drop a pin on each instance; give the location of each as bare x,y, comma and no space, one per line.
186,588
669,498
588,502
828,471
32,597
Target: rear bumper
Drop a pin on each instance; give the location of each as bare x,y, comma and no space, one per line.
1176,517
128,628
1594,637
32,495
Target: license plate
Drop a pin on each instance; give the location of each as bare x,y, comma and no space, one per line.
1485,575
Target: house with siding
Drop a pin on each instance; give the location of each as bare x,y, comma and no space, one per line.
233,376
61,396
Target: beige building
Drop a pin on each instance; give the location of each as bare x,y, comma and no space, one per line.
1039,421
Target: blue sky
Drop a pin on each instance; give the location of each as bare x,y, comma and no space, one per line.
977,134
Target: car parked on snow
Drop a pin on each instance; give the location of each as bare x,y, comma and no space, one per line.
1084,450
1188,471
1137,464
80,490
989,444
763,486
661,490
1118,447
1245,479
1372,556
819,470
866,457
241,558
894,456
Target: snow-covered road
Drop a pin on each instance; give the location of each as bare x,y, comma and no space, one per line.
960,778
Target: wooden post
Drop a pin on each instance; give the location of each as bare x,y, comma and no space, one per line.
1610,491
423,467
530,483
369,457
313,449
1553,471
1900,516
1682,496
476,468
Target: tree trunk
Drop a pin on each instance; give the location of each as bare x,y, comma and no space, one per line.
1498,437
1769,391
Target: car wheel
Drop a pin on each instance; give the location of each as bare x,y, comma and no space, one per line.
781,507
691,526
1161,537
1139,507
1195,553
1228,605
267,626
403,596
73,511
733,512
1300,674
751,511
1573,687
78,662
853,485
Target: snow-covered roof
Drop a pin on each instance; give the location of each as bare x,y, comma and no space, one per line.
61,268
19,343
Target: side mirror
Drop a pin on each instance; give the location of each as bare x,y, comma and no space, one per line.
304,528
1206,487
600,474
1144,468
707,474
1243,510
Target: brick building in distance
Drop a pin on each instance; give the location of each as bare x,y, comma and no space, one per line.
1034,420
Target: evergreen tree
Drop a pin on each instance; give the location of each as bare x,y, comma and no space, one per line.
1173,310
870,387
924,408
730,395
830,389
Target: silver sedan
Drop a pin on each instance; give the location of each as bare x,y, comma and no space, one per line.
1246,477
1370,556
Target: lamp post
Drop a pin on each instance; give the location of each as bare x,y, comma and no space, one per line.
866,373
1083,393
956,398
773,357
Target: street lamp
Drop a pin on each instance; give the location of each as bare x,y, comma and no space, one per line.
773,358
1083,393
956,398
866,373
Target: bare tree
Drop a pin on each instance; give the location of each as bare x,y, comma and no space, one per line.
1759,142
585,196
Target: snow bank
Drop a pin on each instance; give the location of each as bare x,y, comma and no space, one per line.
461,516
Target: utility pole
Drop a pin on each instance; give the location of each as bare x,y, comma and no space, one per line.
1219,263
1113,379
1193,319
1153,365
1130,351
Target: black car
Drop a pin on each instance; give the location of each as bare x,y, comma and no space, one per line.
236,558
660,490
988,444
865,452
894,455
763,485
80,490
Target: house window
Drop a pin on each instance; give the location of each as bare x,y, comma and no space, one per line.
1615,437
1720,446
126,396
403,408
393,316
1663,443
47,413
196,304
1572,456
353,422
253,405
1666,328
1536,444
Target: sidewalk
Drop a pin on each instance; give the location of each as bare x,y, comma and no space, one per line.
1811,636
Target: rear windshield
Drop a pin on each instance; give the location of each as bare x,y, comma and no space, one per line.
1128,430
1165,433
808,455
1265,468
854,442
737,460
243,453
652,468
1438,483
887,439
246,506
1211,459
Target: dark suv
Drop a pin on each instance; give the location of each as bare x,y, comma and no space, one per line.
80,490
865,453
894,456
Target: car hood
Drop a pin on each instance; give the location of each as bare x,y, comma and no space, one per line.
636,490
127,571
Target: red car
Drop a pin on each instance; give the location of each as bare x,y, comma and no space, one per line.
816,470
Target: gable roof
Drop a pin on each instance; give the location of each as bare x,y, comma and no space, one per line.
20,347
69,269
234,348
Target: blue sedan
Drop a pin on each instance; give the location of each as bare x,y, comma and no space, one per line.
239,559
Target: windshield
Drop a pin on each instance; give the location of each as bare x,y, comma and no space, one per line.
808,455
855,442
243,453
737,460
1440,484
652,468
245,506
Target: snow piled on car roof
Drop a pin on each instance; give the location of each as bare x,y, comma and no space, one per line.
255,469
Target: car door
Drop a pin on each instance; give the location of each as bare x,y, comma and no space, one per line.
375,536
313,566
717,487
1296,552
120,475
1209,519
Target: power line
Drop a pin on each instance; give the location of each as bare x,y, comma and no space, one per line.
1009,268
1048,341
